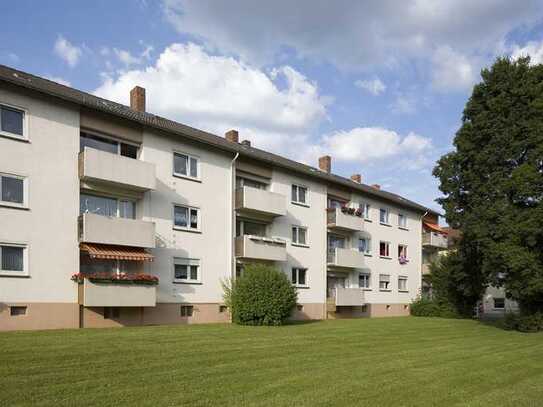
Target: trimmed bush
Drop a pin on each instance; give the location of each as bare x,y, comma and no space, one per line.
422,307
524,323
262,295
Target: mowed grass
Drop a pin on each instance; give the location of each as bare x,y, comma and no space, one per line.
366,362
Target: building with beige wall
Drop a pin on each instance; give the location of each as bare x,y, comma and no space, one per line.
111,216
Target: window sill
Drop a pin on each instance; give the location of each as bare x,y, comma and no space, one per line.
14,137
403,291
403,228
385,224
181,176
368,220
14,274
385,257
188,282
180,229
385,291
305,246
300,204
301,286
367,289
368,254
14,206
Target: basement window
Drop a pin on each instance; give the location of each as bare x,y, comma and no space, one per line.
186,310
17,311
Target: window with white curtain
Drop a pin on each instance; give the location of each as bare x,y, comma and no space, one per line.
384,282
186,217
299,276
186,270
12,121
402,221
364,280
402,283
107,206
384,216
13,259
299,195
186,165
364,245
299,235
12,190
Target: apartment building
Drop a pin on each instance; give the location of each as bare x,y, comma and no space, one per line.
112,216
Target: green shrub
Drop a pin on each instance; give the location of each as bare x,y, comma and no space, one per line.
423,307
524,323
262,295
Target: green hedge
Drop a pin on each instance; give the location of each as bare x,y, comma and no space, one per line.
422,307
524,323
262,295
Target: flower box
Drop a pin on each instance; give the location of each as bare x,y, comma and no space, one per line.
122,278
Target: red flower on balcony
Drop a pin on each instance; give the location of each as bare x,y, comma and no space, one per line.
105,277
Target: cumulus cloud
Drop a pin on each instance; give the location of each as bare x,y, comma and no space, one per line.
374,86
532,49
67,51
404,105
126,57
452,70
216,93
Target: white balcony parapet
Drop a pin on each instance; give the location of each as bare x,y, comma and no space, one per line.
116,231
261,248
260,201
129,173
347,258
349,297
344,221
434,239
93,294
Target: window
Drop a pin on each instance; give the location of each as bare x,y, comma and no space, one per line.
223,308
365,207
186,270
186,310
12,190
12,121
12,259
186,217
383,216
384,249
108,145
245,227
499,303
112,312
402,221
402,251
247,182
299,276
107,206
384,282
364,245
336,203
299,235
299,195
17,311
402,283
185,165
364,280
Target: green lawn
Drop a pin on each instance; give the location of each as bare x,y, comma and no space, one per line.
373,362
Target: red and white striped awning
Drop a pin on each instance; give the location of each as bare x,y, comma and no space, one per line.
111,252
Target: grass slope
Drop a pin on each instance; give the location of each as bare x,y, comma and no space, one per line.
373,362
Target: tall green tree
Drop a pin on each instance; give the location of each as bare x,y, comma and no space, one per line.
493,182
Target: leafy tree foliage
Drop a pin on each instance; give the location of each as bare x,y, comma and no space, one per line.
493,184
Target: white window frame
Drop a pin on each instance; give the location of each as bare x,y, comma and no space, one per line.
406,284
297,201
389,288
406,250
296,242
189,156
388,249
367,279
494,303
387,220
187,228
25,191
25,122
297,271
14,273
368,245
183,261
116,140
404,217
119,200
366,209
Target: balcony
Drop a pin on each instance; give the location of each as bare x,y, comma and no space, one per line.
261,248
336,219
349,297
260,202
116,170
345,258
434,240
116,231
93,294
425,269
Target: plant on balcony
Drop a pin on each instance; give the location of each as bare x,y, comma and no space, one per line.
403,260
359,212
105,277
347,210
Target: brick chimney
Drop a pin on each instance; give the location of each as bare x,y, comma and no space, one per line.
376,186
232,135
137,99
325,163
357,178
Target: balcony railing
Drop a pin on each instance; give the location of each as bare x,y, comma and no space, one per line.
116,294
347,258
433,239
261,248
260,201
338,219
116,231
349,297
124,172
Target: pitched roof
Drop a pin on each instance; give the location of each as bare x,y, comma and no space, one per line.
92,102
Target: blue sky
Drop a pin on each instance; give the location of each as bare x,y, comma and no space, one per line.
378,85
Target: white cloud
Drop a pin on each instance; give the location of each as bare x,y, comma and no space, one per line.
274,109
532,49
126,57
67,51
59,80
452,70
404,105
374,86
